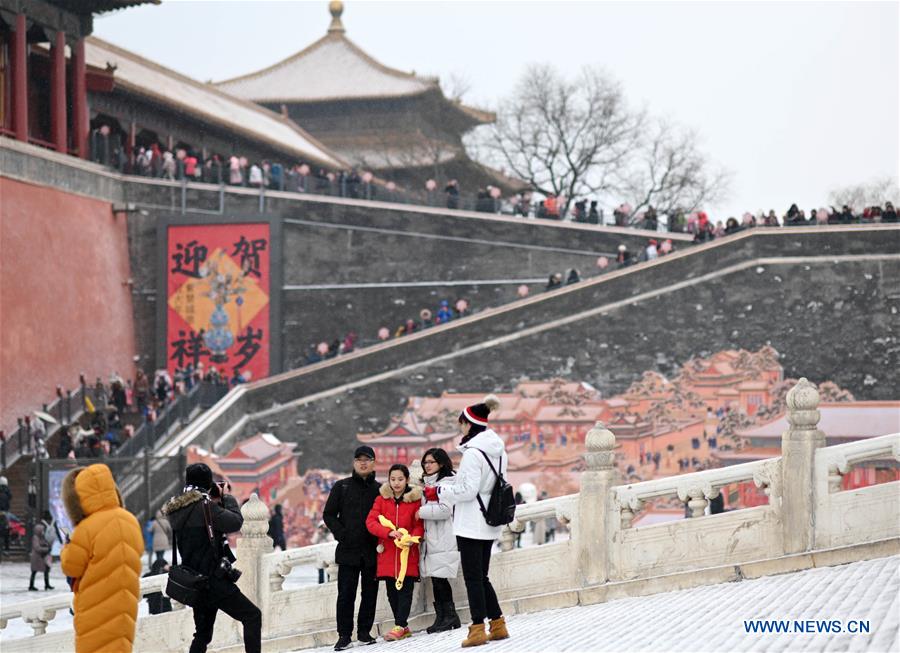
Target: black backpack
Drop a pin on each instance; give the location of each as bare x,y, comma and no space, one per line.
501,508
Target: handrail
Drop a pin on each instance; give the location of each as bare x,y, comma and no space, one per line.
198,425
841,457
706,483
557,507
39,612
278,565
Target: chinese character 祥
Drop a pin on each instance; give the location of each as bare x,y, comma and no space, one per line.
189,258
249,346
249,251
188,347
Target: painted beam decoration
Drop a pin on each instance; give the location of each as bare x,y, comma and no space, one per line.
218,283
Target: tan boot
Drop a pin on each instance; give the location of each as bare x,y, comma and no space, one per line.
498,629
476,637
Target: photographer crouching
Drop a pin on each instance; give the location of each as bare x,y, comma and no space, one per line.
201,516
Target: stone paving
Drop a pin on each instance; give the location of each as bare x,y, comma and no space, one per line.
709,618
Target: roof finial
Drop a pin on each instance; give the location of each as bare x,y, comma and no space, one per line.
336,7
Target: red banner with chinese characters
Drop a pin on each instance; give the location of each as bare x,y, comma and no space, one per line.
218,299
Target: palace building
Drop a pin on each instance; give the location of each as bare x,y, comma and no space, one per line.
397,124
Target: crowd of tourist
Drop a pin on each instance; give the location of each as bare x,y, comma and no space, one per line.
426,319
702,227
185,163
112,411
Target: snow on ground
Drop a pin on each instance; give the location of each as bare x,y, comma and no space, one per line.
14,578
707,618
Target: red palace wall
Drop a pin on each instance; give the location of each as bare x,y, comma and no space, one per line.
64,308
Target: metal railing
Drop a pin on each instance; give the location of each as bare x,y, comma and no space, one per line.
21,440
177,412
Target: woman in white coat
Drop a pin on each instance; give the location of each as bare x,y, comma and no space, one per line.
482,449
439,557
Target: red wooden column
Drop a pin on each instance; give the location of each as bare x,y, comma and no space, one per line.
20,79
79,100
58,93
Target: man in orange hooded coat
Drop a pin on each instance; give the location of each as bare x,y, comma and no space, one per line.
104,559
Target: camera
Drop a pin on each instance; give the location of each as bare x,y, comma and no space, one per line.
227,571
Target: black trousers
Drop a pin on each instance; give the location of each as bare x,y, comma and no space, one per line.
443,593
400,599
475,558
348,581
238,607
46,578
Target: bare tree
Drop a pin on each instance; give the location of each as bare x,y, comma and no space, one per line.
564,137
456,86
412,151
872,193
580,137
670,173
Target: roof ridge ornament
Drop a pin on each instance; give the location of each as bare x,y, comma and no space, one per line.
336,8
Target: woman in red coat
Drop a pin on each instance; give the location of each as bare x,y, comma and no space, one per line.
398,503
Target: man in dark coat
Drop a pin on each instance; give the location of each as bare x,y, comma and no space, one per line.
206,554
345,515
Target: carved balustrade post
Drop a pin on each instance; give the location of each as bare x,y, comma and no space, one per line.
252,546
798,455
592,530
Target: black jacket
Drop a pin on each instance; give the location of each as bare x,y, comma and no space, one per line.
185,513
345,515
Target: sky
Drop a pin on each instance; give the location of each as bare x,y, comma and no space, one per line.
795,99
